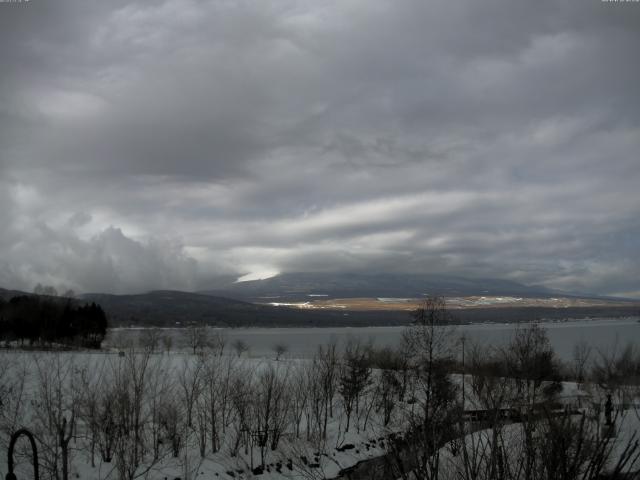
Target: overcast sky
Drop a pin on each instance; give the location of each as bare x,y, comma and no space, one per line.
159,144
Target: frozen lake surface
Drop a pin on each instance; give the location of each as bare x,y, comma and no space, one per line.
602,333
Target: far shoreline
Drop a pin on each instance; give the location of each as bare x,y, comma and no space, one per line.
569,321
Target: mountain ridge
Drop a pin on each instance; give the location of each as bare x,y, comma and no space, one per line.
255,303
298,285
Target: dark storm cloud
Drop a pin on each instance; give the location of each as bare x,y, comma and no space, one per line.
159,144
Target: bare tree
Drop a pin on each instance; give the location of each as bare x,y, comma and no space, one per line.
14,380
167,342
531,364
492,393
616,373
217,382
328,371
218,342
170,419
300,386
150,339
544,443
241,398
57,408
107,430
190,382
240,347
202,421
160,385
129,414
567,448
47,290
617,370
197,337
280,349
92,390
580,361
354,377
387,388
271,407
191,464
317,409
431,412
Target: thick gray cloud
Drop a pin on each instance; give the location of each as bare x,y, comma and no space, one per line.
160,144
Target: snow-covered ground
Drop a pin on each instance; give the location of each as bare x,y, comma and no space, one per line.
40,390
24,376
510,441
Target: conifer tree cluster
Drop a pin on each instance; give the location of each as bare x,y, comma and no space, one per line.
49,321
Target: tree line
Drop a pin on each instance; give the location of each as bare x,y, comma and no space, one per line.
50,321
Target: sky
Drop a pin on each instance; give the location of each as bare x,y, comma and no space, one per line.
161,144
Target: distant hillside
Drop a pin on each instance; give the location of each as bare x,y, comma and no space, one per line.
298,286
8,294
173,308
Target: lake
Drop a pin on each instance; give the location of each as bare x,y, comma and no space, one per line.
602,334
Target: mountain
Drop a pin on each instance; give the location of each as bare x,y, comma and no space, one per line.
168,308
247,303
8,294
298,286
173,308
